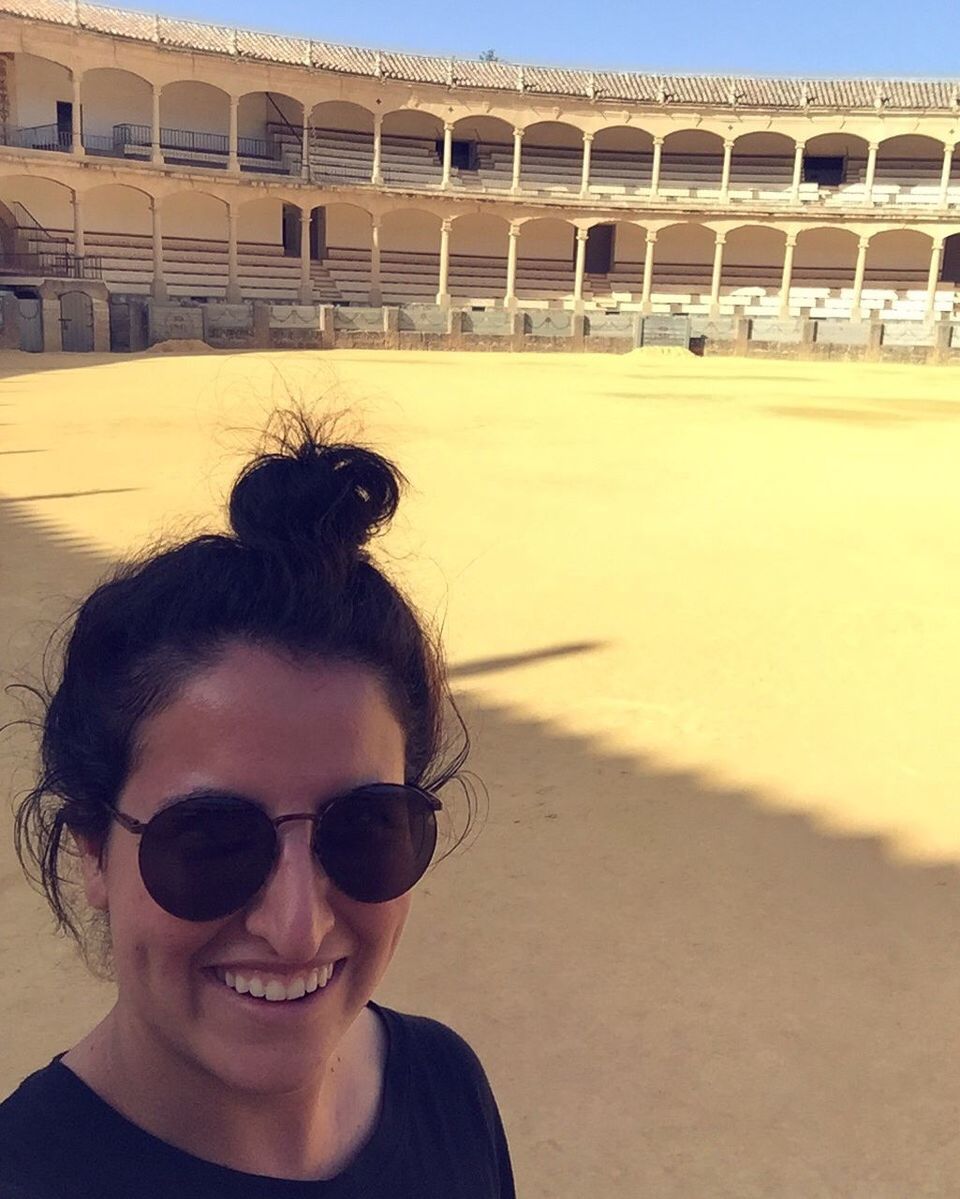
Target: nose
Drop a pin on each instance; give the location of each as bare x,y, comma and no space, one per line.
292,912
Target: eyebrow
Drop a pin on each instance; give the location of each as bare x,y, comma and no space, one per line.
227,793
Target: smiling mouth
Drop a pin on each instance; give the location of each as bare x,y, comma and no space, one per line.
258,989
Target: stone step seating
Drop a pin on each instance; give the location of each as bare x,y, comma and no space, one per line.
342,154
194,266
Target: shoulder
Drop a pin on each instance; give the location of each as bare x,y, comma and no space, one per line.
29,1122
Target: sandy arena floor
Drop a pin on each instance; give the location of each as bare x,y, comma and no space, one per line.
703,616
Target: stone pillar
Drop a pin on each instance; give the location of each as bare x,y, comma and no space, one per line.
76,134
717,274
233,272
305,145
871,171
517,143
158,288
306,283
78,242
233,158
585,174
510,299
447,153
933,277
443,295
648,272
797,172
156,154
657,159
945,174
725,177
858,278
376,175
787,275
376,296
582,235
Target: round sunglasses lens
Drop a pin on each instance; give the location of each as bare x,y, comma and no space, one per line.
201,860
375,845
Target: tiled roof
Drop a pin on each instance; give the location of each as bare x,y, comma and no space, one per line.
630,87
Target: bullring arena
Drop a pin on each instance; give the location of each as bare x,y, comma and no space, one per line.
700,611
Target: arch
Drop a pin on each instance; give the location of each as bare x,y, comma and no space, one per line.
692,159
545,259
753,256
410,229
486,130
194,116
621,159
116,208
341,115
911,145
555,134
269,125
412,147
41,85
765,143
37,201
628,253
194,215
411,123
348,227
478,256
825,255
908,161
260,222
107,93
950,266
898,258
684,257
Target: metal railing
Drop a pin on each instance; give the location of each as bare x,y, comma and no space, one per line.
38,137
44,264
194,141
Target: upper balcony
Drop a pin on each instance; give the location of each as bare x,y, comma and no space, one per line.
108,113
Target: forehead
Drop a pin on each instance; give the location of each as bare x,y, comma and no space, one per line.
268,728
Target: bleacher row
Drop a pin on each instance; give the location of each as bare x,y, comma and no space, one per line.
341,156
198,268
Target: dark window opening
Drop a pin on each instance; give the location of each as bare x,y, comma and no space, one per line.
318,234
599,258
65,122
827,171
950,268
291,231
463,155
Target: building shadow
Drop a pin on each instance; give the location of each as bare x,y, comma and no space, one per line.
676,989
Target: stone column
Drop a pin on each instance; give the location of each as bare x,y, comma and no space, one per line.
376,295
78,243
933,277
858,277
945,174
158,288
447,153
376,175
657,158
648,271
306,283
725,177
585,174
76,134
510,299
233,158
582,235
717,274
871,171
156,154
233,269
797,172
517,143
305,145
787,275
443,295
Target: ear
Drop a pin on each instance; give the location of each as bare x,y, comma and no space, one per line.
94,874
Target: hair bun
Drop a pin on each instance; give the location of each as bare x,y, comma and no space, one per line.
309,495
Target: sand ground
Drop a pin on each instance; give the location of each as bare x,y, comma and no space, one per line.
703,619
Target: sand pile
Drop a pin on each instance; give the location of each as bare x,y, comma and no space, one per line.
185,345
659,352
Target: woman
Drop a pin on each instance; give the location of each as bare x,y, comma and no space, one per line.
243,748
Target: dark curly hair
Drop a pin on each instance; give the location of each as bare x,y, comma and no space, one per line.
294,576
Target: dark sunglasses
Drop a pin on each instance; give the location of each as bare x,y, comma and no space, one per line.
205,857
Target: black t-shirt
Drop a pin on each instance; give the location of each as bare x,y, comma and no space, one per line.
438,1136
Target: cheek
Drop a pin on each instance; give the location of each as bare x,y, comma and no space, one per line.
380,925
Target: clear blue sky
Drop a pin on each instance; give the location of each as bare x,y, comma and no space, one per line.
906,38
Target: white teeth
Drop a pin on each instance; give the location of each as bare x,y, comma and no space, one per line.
274,991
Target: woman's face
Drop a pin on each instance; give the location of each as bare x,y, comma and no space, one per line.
289,738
